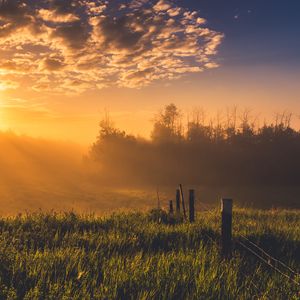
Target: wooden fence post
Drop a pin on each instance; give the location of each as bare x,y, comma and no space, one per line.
182,200
192,206
171,210
177,201
226,240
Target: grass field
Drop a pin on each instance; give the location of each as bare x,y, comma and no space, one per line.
132,256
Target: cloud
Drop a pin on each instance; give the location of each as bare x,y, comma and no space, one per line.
68,46
73,35
53,64
55,17
162,5
8,85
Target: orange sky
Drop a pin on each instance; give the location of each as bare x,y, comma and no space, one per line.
76,118
62,66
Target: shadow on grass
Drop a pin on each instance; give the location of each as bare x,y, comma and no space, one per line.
277,246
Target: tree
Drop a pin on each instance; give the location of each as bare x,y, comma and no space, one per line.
107,138
167,125
108,129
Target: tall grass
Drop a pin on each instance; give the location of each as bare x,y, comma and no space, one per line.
132,256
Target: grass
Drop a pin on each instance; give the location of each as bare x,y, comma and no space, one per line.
132,256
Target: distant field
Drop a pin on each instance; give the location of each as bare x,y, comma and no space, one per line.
84,197
132,256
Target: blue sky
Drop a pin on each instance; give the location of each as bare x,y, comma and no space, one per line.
257,31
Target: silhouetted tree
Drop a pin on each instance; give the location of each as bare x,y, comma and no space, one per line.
167,126
224,151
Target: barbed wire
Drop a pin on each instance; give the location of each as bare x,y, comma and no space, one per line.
263,252
245,275
268,263
255,253
259,248
270,256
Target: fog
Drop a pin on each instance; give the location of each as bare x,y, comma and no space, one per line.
256,167
44,175
38,174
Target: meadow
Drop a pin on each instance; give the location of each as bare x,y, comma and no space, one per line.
146,255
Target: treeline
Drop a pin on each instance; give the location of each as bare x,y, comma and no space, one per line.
231,150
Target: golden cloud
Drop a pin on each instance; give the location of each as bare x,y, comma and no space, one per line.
72,46
8,85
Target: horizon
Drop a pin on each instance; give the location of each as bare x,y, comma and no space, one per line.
206,119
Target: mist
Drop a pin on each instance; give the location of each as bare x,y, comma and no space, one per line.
257,166
233,155
45,175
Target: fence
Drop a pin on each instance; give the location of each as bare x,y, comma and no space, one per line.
227,241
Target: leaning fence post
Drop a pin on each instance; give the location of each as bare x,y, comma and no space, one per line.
192,206
182,200
171,209
226,210
177,201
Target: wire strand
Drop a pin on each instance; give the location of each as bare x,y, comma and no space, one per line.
209,210
268,263
259,248
271,257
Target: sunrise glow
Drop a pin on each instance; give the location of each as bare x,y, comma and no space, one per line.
149,149
63,64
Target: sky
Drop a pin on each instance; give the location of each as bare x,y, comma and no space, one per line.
63,63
